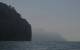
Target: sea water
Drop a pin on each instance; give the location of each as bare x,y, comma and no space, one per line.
39,45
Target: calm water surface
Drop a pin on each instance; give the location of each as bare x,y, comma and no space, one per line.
39,45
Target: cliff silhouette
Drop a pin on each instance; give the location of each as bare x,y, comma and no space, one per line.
12,26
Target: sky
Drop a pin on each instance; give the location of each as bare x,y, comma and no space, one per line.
62,16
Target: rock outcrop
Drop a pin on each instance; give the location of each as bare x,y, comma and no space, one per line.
12,26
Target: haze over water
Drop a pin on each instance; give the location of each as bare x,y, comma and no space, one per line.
56,16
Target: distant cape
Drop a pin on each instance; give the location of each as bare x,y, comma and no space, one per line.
42,35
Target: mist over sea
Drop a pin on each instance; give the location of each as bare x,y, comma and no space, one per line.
41,41
55,21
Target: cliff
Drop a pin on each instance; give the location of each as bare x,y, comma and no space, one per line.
12,26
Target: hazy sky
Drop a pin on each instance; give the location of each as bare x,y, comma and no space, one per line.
62,16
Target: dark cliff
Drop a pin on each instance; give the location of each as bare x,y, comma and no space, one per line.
12,26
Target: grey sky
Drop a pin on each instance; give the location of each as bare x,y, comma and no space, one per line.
62,16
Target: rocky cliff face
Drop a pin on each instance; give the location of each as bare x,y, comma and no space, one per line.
12,26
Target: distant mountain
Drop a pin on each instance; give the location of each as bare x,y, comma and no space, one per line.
41,35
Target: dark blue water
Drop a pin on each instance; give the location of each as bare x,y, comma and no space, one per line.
39,45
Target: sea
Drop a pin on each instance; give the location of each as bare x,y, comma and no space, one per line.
39,45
